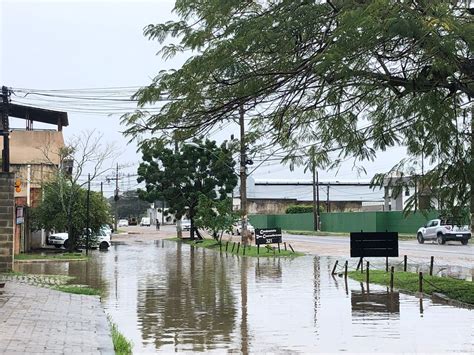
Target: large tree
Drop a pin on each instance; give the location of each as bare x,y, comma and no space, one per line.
181,176
338,75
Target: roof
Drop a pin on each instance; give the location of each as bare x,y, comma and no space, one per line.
38,114
35,147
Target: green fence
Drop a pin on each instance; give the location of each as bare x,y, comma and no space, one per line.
393,221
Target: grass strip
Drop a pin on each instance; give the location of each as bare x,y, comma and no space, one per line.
455,289
251,251
78,290
122,345
62,256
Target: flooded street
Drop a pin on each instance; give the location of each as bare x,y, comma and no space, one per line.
167,297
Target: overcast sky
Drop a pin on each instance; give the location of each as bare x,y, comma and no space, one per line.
52,45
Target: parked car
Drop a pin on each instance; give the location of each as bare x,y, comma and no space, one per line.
106,228
237,228
122,223
442,231
186,224
132,221
145,221
101,238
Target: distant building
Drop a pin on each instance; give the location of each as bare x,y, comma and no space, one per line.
274,196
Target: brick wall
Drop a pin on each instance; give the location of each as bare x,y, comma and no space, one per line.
6,221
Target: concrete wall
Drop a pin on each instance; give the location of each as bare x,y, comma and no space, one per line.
6,221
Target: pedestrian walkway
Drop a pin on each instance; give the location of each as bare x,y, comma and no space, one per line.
37,320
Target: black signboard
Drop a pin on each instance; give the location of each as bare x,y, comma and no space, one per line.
365,244
267,236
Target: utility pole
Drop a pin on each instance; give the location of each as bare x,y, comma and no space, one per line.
101,189
315,198
116,198
243,177
116,195
4,130
88,212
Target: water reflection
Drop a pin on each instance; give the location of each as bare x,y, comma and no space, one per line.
365,302
193,308
170,297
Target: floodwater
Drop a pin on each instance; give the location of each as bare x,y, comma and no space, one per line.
171,297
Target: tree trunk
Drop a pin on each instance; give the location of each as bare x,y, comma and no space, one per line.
179,229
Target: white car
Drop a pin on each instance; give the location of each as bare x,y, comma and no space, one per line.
237,228
145,222
442,231
122,223
62,240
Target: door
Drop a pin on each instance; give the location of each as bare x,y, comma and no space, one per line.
431,229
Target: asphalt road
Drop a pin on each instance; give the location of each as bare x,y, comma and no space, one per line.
452,254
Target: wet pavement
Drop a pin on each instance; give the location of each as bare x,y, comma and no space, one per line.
171,297
38,320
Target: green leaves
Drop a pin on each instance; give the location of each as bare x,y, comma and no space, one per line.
198,168
348,76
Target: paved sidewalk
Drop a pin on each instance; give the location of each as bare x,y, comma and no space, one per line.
36,320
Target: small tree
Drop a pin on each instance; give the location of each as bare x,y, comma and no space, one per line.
85,151
215,215
181,176
50,214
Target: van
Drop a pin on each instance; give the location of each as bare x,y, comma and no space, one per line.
145,221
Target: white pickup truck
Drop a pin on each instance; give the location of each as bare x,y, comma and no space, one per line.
442,231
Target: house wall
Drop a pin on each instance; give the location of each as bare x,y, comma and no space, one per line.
6,221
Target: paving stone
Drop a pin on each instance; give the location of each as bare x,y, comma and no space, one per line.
37,320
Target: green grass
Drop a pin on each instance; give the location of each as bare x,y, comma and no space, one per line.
122,345
459,290
78,290
251,251
62,256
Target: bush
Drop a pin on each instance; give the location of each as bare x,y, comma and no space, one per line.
299,209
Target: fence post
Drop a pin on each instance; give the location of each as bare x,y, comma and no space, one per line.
226,246
386,264
285,246
258,249
431,265
392,271
405,263
345,269
291,248
367,272
238,247
334,268
420,282
233,246
243,251
279,251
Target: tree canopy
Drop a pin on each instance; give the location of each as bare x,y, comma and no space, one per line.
130,204
347,76
199,168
